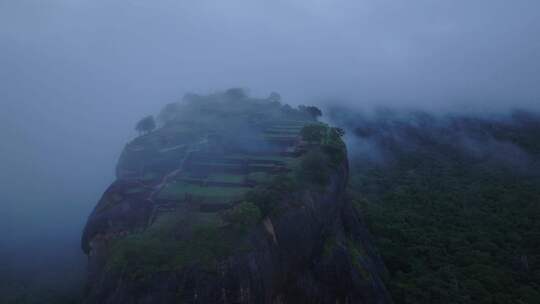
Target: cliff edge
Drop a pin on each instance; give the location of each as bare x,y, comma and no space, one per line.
232,199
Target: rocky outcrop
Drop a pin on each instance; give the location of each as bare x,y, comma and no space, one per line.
316,250
309,246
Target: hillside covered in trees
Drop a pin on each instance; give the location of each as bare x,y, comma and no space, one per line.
453,202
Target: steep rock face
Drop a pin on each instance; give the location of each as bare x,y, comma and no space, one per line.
305,244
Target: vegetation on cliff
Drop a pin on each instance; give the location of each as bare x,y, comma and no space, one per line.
214,169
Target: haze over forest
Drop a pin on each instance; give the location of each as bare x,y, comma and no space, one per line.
75,76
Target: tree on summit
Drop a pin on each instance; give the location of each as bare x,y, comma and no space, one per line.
339,132
274,97
146,125
312,111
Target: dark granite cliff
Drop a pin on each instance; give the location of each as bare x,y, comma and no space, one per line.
232,200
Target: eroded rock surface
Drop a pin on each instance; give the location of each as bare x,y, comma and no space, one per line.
233,200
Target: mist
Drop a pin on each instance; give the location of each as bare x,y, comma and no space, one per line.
76,75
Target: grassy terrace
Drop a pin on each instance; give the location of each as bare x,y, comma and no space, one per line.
228,178
216,164
210,177
235,170
289,136
237,163
217,159
283,131
178,190
290,122
259,177
240,162
251,157
286,127
263,165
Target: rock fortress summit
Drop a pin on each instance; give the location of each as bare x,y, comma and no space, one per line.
232,199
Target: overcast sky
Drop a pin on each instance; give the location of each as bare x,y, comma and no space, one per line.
75,75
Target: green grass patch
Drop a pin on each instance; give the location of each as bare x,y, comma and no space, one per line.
148,176
178,190
216,164
292,128
229,178
281,136
260,177
290,123
158,249
243,215
263,165
283,131
330,243
276,157
357,254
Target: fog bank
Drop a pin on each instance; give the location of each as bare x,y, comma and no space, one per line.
76,76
